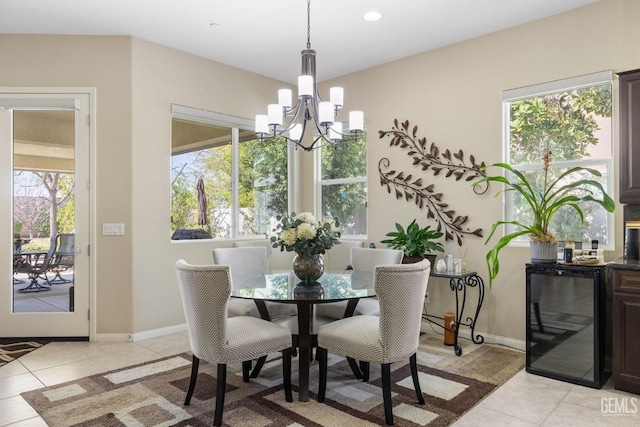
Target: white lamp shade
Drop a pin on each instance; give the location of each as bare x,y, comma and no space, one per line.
325,113
335,131
305,86
284,98
275,114
356,121
296,132
262,123
336,96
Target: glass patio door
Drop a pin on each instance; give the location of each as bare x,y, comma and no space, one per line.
44,222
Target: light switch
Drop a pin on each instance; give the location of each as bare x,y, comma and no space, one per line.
113,229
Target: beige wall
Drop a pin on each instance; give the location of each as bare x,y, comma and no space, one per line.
452,94
161,77
103,63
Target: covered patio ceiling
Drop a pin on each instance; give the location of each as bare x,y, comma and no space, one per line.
43,140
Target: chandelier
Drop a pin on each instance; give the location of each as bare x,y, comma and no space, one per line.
309,109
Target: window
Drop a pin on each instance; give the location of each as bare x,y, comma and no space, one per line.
343,185
245,181
572,119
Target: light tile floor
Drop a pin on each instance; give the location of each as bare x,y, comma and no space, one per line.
525,400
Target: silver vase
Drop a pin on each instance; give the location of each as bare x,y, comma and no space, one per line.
308,268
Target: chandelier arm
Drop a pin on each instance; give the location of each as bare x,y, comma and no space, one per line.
296,110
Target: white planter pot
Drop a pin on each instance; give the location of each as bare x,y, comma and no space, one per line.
544,252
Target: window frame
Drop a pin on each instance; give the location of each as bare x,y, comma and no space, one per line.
537,90
235,124
320,183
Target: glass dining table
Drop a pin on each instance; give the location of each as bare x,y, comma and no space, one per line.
284,287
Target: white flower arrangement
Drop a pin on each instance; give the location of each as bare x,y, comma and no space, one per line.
303,234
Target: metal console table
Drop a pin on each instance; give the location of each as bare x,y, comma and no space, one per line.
459,284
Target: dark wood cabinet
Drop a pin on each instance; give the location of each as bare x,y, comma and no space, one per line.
629,136
626,330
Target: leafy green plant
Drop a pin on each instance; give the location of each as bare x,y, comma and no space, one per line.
415,241
544,203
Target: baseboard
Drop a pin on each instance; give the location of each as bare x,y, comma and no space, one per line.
154,333
499,340
112,337
465,334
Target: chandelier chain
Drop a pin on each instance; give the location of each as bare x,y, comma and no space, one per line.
308,24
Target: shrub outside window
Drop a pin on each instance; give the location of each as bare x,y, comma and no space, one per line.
572,119
245,180
343,185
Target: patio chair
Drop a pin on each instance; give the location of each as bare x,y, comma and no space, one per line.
62,258
391,337
17,262
217,338
36,267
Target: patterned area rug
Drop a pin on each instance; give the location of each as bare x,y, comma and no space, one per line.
153,393
10,351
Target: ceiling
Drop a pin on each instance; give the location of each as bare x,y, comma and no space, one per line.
266,37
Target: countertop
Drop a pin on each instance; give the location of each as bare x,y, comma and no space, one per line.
625,264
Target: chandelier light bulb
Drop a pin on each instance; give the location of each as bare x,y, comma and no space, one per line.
305,86
284,98
274,112
325,114
336,96
262,124
356,121
335,131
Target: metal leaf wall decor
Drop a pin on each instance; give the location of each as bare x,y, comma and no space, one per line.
406,186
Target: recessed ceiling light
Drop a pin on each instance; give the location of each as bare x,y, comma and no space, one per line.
374,15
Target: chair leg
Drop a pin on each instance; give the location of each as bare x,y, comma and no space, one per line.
221,386
386,393
246,367
195,363
258,367
414,374
364,368
354,368
286,373
322,366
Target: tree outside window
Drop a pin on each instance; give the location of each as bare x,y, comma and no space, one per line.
575,124
343,185
206,150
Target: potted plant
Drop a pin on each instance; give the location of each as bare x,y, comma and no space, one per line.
544,202
309,239
416,242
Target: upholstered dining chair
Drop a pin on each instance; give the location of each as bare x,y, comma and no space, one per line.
363,262
391,337
248,263
338,258
217,338
265,243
